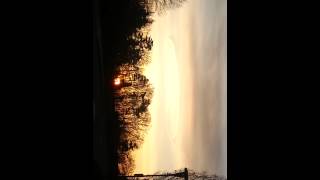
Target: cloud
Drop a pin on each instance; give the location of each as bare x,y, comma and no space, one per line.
189,105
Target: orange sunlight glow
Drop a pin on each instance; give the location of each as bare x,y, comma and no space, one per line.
171,112
188,120
117,81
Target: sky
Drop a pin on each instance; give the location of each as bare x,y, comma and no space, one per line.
189,73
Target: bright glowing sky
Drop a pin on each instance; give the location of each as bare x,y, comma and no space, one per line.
188,72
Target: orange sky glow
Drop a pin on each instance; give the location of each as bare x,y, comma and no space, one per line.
188,59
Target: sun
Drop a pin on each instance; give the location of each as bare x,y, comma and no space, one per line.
117,81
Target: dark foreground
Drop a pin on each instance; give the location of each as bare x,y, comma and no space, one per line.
112,23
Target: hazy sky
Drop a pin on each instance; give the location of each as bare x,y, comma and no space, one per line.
188,72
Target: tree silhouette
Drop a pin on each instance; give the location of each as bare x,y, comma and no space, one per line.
132,107
126,164
139,45
161,6
127,48
133,93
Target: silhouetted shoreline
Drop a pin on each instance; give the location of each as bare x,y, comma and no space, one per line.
113,22
121,46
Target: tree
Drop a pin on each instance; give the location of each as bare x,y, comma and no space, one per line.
139,46
126,164
132,107
161,6
137,49
132,99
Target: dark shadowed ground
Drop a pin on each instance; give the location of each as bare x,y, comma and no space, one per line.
104,143
113,21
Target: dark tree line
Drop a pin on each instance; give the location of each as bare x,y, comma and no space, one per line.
128,44
137,47
132,103
134,94
161,6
